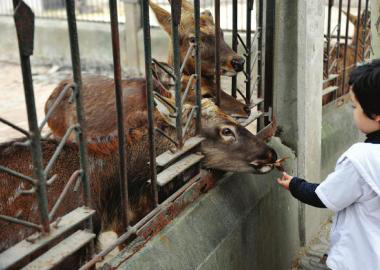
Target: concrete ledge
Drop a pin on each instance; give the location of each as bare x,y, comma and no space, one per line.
246,222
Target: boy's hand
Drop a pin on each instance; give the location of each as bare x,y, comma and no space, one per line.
284,181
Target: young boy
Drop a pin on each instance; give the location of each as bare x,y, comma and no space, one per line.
353,189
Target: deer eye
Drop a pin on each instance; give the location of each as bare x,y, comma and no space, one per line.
192,39
227,132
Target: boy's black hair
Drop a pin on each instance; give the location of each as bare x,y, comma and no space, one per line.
365,81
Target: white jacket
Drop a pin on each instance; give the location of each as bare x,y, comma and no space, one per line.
353,192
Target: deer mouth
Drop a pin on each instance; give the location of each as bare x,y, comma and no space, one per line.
228,72
262,168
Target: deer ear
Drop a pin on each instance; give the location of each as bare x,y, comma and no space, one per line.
166,108
353,19
163,17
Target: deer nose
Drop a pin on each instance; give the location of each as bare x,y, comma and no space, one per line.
247,109
238,64
272,155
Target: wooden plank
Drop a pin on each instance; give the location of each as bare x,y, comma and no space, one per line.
25,248
331,77
177,168
61,251
167,157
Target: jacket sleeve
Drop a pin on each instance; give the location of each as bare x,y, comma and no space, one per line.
305,192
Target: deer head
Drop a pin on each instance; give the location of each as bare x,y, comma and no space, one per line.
231,62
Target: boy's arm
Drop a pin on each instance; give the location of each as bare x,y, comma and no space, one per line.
305,192
301,190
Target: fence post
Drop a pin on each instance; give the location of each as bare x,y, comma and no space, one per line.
132,25
298,77
375,28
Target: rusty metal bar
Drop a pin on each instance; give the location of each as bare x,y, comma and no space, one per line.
188,87
77,91
24,20
21,222
54,106
119,108
242,42
331,3
189,51
365,28
176,18
248,53
198,65
59,148
163,68
139,225
167,136
19,175
193,110
357,31
149,94
338,34
217,51
260,64
345,50
73,177
235,42
23,131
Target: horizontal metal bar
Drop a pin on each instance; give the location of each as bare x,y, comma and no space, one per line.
17,174
252,117
189,51
63,250
23,131
329,89
190,82
191,116
330,78
177,168
21,222
163,68
73,177
167,157
55,104
59,148
25,248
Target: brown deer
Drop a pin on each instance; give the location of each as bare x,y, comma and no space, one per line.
227,146
363,46
231,62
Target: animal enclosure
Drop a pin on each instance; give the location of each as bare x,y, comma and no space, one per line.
346,45
180,101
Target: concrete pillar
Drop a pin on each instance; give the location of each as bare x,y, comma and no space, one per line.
132,25
298,91
375,27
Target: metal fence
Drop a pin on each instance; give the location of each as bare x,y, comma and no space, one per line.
98,10
347,43
257,94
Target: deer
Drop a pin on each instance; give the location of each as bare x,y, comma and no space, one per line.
227,146
363,45
231,62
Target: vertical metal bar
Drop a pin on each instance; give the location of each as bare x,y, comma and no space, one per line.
338,36
176,18
331,3
217,51
260,63
356,34
198,64
149,94
234,40
119,108
248,53
24,20
345,49
75,59
365,30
